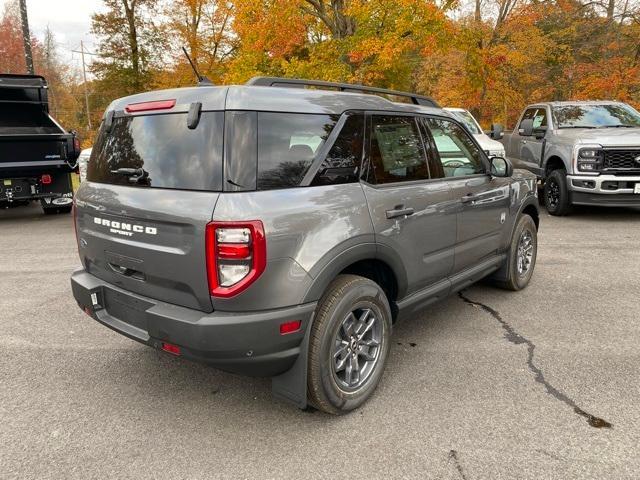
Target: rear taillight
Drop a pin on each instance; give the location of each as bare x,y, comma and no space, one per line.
46,179
236,256
76,145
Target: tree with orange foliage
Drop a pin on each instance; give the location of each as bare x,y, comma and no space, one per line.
204,28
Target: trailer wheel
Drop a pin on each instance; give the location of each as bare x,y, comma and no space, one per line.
50,209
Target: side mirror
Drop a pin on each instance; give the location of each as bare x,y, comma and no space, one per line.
501,167
540,132
526,128
497,131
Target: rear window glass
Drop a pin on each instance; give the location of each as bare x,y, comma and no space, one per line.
163,152
287,146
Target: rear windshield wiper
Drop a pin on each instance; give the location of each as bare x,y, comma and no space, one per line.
134,174
576,126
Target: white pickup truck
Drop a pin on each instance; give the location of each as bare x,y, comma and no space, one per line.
586,153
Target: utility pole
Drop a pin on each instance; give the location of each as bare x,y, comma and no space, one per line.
86,92
26,37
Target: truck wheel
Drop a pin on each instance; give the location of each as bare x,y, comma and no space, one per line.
348,345
49,209
556,193
522,255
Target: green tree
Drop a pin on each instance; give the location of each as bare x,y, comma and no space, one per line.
130,45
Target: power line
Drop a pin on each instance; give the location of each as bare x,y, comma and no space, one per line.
86,91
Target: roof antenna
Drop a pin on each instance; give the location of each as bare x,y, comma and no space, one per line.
202,81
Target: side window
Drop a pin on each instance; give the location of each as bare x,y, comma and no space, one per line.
342,163
287,145
540,118
529,113
396,150
538,115
459,156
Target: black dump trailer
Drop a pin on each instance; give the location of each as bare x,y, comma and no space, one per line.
37,155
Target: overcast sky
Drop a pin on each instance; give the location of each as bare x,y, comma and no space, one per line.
69,20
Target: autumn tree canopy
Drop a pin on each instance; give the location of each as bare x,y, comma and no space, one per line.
491,56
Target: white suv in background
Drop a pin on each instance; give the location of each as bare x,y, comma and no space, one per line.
492,148
83,160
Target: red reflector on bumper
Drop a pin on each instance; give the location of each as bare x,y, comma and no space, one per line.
171,348
46,179
290,327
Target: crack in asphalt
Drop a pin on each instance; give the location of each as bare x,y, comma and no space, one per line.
453,455
514,337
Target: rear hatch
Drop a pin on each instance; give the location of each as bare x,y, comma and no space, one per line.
152,185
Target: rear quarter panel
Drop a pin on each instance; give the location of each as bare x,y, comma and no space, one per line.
306,228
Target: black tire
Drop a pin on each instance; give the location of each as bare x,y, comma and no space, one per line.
556,193
53,209
327,390
518,277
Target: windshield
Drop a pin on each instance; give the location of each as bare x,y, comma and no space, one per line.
596,116
467,119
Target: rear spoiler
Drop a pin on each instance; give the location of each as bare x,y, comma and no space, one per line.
24,89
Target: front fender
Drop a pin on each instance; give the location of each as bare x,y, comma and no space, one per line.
560,151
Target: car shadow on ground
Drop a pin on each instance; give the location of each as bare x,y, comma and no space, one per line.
142,372
31,211
598,214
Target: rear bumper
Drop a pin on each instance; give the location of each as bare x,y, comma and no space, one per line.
248,343
29,188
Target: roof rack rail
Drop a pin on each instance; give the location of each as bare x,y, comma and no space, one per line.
343,87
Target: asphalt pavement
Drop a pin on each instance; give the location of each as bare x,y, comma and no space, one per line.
540,384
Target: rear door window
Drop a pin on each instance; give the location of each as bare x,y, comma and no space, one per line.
396,151
287,146
163,152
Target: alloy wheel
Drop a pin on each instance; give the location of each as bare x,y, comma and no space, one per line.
356,348
525,252
553,193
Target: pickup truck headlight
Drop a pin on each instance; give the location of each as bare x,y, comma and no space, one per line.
589,159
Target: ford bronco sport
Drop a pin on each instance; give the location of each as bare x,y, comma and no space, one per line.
274,230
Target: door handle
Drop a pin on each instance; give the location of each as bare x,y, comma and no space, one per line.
470,197
400,211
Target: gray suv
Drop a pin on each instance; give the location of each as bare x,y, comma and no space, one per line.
274,230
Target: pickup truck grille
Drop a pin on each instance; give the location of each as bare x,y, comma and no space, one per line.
622,160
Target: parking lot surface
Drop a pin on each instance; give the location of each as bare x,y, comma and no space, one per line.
539,384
